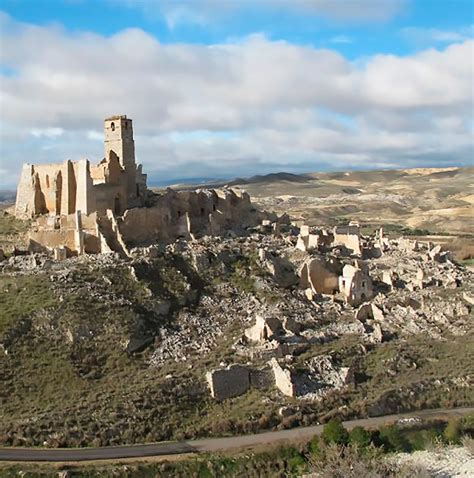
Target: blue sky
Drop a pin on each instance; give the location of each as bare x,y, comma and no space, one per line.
239,87
354,37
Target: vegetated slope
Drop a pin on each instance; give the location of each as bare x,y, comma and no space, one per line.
12,231
101,350
438,200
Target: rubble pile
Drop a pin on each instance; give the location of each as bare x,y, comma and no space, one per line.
272,295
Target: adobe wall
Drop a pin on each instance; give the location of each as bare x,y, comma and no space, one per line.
112,197
68,198
64,188
355,284
48,175
174,215
118,133
348,236
117,184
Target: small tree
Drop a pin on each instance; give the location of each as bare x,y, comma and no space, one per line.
295,461
334,432
360,437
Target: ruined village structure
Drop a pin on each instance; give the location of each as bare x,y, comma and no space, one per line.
80,208
375,284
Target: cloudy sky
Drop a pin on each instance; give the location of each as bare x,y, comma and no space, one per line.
224,88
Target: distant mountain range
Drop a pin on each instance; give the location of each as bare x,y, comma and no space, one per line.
7,196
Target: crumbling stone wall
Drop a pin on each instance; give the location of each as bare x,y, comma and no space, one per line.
348,236
49,232
321,275
174,215
188,214
228,382
355,283
307,241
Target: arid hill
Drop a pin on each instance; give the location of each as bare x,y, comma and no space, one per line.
440,200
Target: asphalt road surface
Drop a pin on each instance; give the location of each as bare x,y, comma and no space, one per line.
206,444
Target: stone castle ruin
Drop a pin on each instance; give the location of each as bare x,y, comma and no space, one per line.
78,207
116,183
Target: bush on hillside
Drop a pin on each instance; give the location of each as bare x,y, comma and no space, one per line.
360,437
334,432
453,431
393,439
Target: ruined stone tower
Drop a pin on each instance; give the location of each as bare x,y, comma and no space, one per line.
118,131
116,183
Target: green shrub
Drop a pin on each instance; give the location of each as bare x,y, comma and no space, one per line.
352,462
468,424
421,439
314,446
203,471
334,432
295,462
393,439
360,437
453,431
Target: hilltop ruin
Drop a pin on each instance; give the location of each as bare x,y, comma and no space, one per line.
79,208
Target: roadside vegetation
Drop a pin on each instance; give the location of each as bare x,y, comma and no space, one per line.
337,453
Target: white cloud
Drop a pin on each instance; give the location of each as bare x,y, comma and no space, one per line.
357,10
202,12
236,108
46,132
95,135
428,36
341,39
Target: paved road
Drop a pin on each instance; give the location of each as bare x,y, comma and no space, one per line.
203,445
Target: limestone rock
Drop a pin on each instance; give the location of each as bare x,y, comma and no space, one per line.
282,270
468,298
228,382
265,328
283,379
369,311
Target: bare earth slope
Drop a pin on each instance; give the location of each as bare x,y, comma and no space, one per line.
438,200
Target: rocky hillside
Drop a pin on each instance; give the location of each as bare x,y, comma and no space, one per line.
101,350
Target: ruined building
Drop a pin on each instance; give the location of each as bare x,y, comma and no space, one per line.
84,208
116,183
355,283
